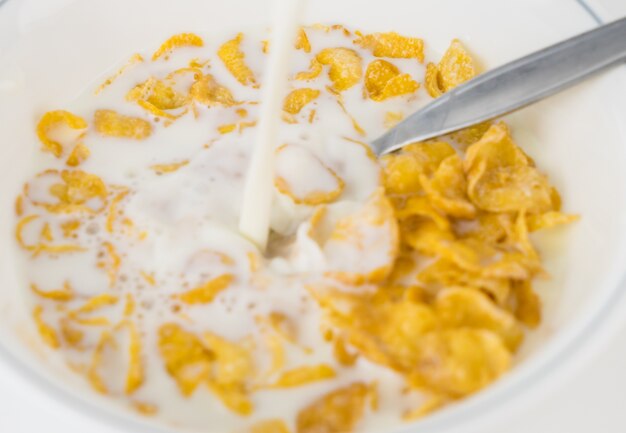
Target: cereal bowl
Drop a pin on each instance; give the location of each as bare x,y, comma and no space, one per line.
51,50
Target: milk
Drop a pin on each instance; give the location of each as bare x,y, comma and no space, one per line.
179,223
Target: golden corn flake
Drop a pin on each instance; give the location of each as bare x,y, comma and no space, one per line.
112,124
527,304
207,91
168,168
206,293
234,59
158,95
135,59
446,188
302,41
392,45
431,81
459,362
135,375
38,246
78,155
384,331
94,304
469,308
232,373
50,122
297,99
46,332
549,219
455,67
501,178
61,295
336,412
186,359
304,375
384,80
269,426
346,69
178,41
315,70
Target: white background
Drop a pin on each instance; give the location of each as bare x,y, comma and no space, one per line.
592,400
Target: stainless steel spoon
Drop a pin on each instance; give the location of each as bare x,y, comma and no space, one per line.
512,86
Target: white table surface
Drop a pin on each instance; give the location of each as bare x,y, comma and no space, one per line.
591,400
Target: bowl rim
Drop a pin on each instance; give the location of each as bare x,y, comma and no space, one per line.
465,416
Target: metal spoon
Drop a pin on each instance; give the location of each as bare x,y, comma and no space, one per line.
512,86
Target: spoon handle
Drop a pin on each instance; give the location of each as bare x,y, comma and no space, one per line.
512,86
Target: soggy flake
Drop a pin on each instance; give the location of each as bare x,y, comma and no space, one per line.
207,91
38,246
336,412
78,155
392,45
315,70
297,99
53,120
384,80
112,124
346,69
234,59
135,59
46,332
168,168
178,41
158,94
269,426
373,229
232,373
186,359
64,294
301,376
302,41
207,292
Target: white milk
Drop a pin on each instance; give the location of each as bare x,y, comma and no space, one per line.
183,220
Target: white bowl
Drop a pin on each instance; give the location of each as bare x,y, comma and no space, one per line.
578,138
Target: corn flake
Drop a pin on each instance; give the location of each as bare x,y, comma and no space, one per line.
304,375
112,124
501,178
206,293
207,91
234,59
346,68
178,41
468,308
392,45
459,362
47,333
53,120
297,99
455,67
336,412
383,80
186,358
